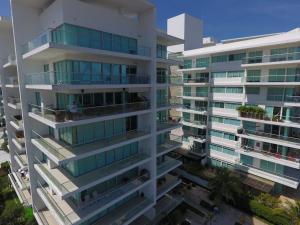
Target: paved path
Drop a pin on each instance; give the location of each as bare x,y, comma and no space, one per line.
4,156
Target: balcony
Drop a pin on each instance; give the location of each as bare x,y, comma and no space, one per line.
166,165
21,159
59,41
70,212
166,184
291,160
274,59
14,102
273,80
16,122
173,142
19,140
43,216
169,80
127,212
71,80
194,136
10,62
168,124
66,185
278,120
169,103
231,158
292,142
194,95
21,188
196,81
84,113
201,124
169,57
194,109
290,181
62,153
12,82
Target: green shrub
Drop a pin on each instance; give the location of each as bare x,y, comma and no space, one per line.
276,216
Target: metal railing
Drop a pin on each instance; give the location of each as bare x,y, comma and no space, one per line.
175,102
19,123
275,118
272,58
81,78
81,113
169,79
246,166
275,155
196,122
58,148
106,195
273,78
59,211
47,37
270,135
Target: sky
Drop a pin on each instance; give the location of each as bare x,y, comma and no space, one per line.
225,19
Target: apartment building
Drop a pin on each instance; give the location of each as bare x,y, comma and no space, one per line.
90,129
241,107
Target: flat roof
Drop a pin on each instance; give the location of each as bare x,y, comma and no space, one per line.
292,36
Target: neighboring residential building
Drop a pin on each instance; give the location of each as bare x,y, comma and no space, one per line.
90,126
261,71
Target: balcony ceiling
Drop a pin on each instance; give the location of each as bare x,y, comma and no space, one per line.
130,5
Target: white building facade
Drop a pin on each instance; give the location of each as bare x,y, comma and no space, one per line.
90,129
241,106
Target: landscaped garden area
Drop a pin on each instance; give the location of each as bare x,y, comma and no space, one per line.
12,211
225,186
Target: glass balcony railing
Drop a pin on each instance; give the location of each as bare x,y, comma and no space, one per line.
293,157
18,121
196,122
172,102
169,79
190,133
282,98
273,78
274,118
73,37
273,136
272,58
195,108
67,78
196,80
81,113
20,192
195,94
168,123
245,166
171,142
167,164
67,184
62,151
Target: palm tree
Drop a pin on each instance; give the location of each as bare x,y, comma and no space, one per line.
225,185
293,212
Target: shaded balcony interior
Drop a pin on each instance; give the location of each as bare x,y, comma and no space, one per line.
17,121
167,142
163,76
165,120
196,78
194,119
193,132
76,72
96,200
164,98
72,107
166,164
199,106
274,151
166,183
14,102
